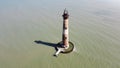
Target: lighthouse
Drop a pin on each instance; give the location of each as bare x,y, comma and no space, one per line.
65,46
65,34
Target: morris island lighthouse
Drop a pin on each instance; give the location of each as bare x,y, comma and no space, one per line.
65,46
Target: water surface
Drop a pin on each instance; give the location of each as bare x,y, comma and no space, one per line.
94,30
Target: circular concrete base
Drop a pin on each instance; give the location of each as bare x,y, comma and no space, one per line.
68,50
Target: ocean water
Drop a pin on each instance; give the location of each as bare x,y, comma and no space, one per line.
94,28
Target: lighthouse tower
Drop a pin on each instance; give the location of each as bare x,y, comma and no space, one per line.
65,46
65,35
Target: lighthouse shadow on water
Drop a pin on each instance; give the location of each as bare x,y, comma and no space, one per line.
45,43
53,45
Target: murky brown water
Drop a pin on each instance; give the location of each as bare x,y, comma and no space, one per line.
94,30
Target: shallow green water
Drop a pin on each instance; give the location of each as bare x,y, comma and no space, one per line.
94,30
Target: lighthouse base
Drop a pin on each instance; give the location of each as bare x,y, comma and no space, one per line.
60,49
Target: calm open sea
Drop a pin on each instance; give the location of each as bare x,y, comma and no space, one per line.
94,29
